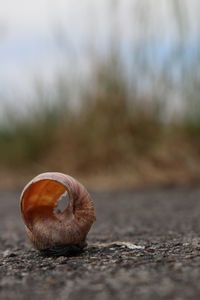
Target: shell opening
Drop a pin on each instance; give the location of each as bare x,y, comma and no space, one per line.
46,198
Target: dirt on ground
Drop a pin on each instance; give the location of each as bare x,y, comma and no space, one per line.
164,224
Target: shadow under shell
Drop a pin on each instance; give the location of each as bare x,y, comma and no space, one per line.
62,250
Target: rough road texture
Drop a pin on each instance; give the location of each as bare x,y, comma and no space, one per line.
166,222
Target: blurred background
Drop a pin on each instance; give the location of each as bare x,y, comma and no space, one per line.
107,91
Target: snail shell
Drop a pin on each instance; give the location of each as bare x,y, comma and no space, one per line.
45,227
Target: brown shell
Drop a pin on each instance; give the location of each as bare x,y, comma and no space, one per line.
47,228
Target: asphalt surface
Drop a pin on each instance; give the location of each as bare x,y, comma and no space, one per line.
165,223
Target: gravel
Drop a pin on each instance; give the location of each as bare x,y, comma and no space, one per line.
164,224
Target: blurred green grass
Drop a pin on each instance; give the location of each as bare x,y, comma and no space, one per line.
108,125
112,132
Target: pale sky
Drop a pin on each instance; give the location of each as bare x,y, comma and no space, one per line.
18,13
27,37
27,32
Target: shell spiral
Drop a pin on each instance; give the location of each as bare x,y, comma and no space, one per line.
47,228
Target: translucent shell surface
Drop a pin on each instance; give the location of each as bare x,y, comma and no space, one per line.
49,227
